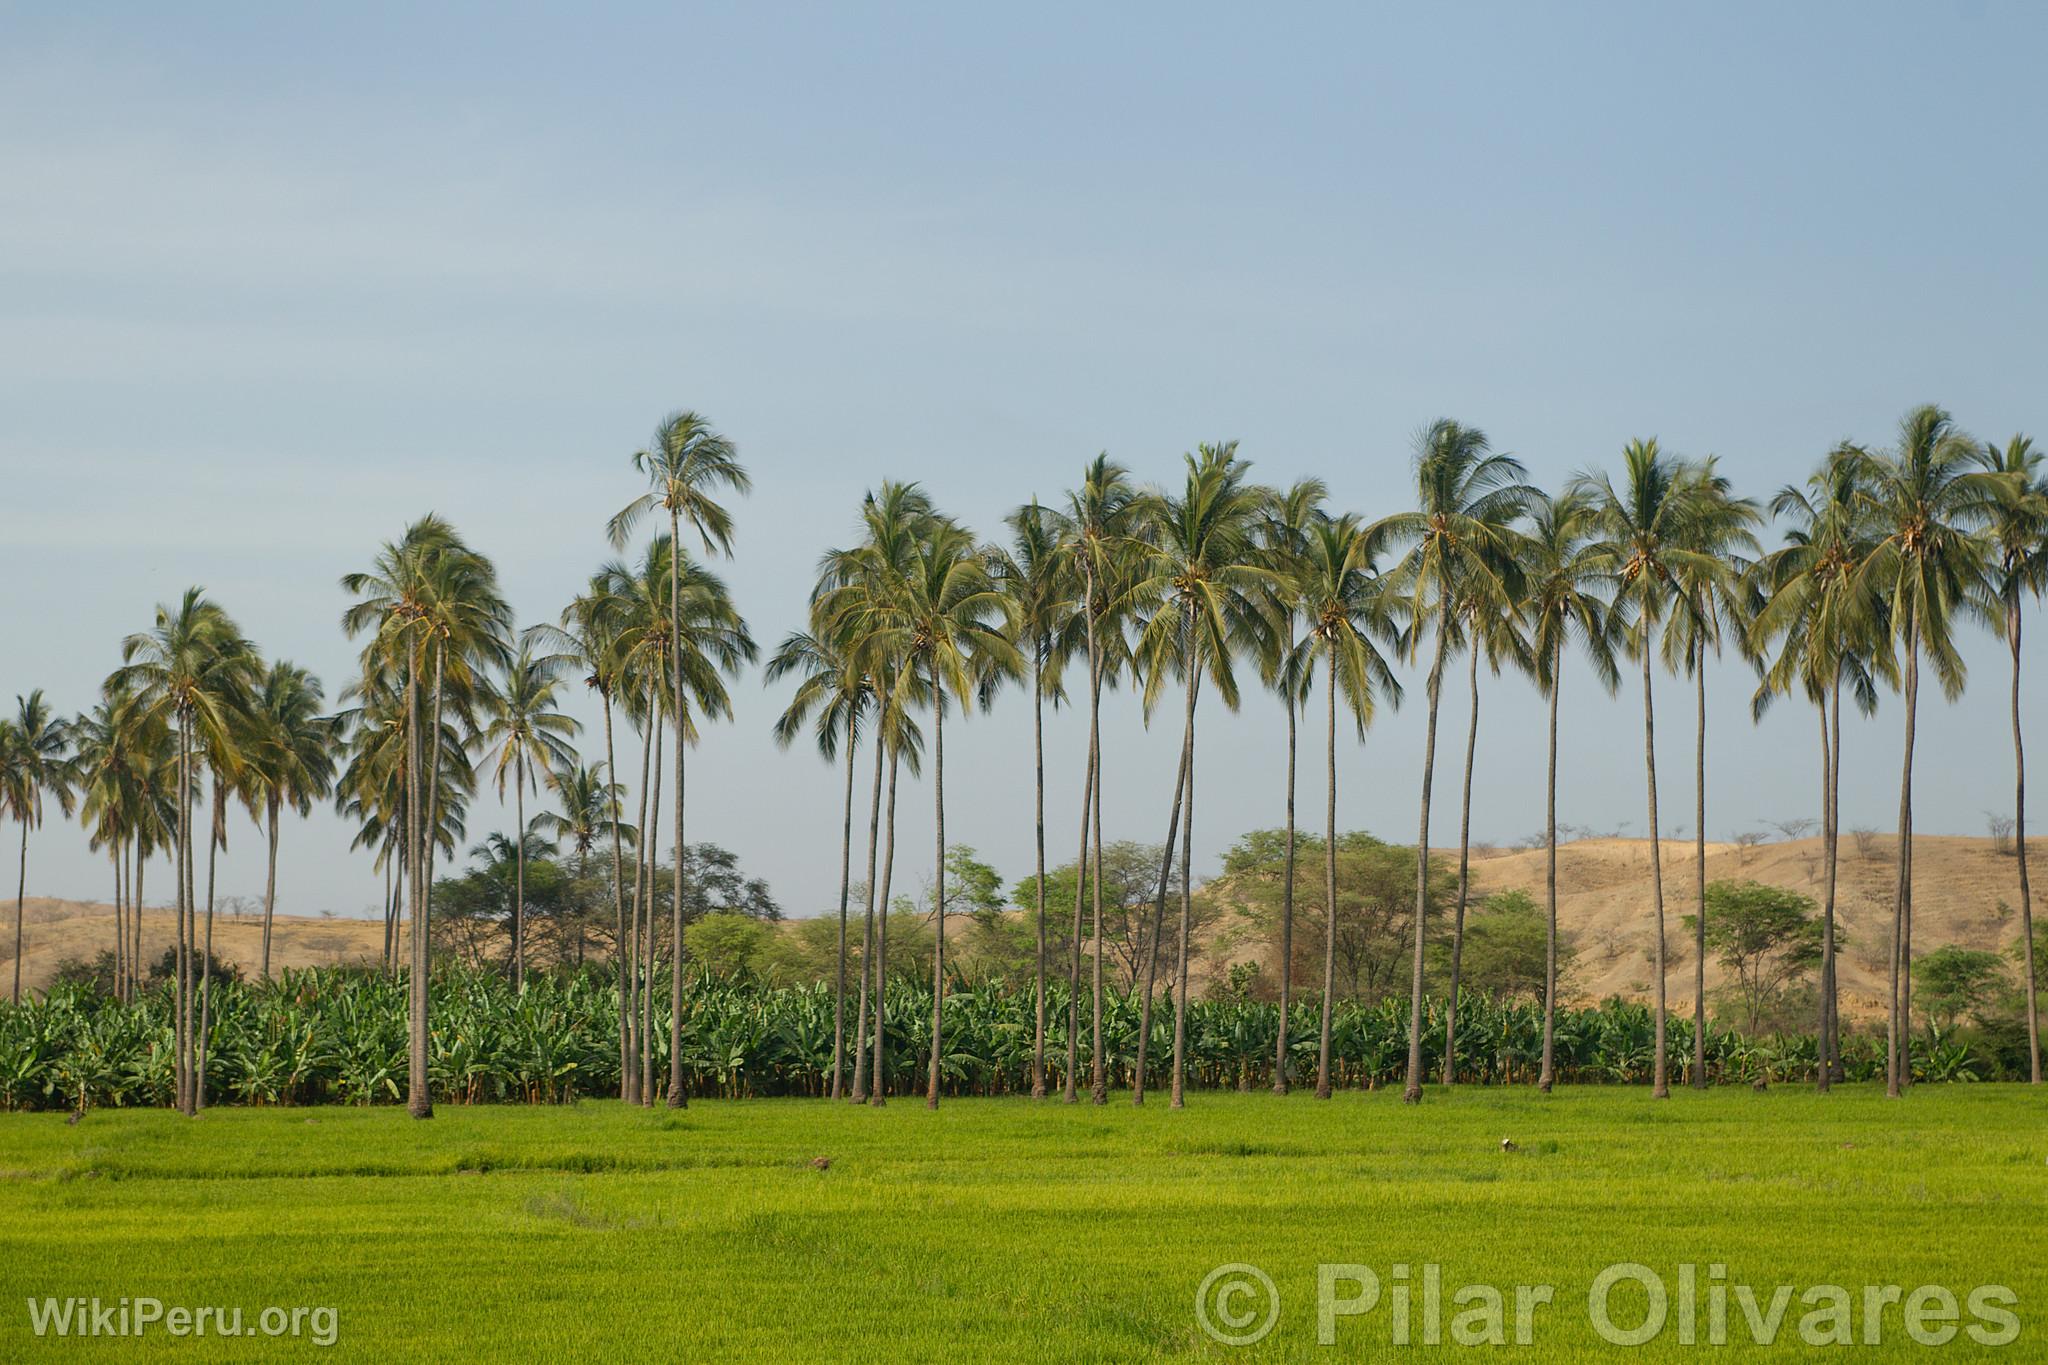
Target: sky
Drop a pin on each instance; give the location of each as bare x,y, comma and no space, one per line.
278,280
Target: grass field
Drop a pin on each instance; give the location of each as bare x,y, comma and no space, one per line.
1003,1229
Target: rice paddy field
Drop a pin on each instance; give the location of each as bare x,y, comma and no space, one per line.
1011,1230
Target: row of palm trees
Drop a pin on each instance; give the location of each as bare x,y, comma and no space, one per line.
1151,588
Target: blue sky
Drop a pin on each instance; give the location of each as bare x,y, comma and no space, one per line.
278,280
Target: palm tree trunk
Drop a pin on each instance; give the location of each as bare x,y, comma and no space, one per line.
677,1099
1099,1083
867,949
878,1087
1825,1077
20,904
619,959
629,1082
1072,1093
1834,985
1286,916
419,1099
1187,886
1323,1077
931,1094
1660,1078
1180,784
270,886
213,841
1464,874
1038,813
2019,834
136,969
519,873
652,850
1699,834
185,919
1413,1093
120,927
1548,1076
845,874
1898,1060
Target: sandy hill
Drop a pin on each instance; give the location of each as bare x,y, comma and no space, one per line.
1603,900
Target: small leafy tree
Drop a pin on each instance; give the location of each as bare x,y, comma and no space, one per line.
1955,981
1767,936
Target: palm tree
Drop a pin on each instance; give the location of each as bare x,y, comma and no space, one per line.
1203,568
1461,547
1931,497
686,464
587,803
1491,626
833,686
1560,600
2019,535
1344,603
35,762
1284,528
291,761
1102,522
525,738
948,619
1828,633
1037,576
1710,603
192,673
1647,527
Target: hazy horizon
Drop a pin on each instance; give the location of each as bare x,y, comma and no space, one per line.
282,282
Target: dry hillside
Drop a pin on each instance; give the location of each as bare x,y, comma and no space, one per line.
1603,901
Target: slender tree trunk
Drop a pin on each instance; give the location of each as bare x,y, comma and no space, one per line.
20,904
202,1047
1187,886
2019,834
677,1098
931,1094
867,949
1413,1093
519,873
1699,864
1548,1076
419,1098
1038,815
1323,1076
631,1088
394,884
647,936
185,921
270,885
878,1084
1660,1079
1180,783
1464,874
136,959
1286,915
120,927
1898,1062
845,875
1825,1076
1072,1093
1099,1081
620,962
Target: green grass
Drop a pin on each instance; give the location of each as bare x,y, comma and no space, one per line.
1003,1229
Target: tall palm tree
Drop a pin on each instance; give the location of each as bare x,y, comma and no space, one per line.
1931,498
290,763
687,465
1647,526
833,685
1102,521
1037,575
1491,626
2019,534
1203,568
525,740
1561,600
947,622
1461,546
586,806
1344,604
35,763
1284,528
1710,603
1826,632
192,673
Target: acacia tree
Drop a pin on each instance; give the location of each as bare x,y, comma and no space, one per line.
1561,601
35,764
687,465
1461,545
2018,528
1930,498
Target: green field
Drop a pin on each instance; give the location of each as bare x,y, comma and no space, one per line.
1004,1229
